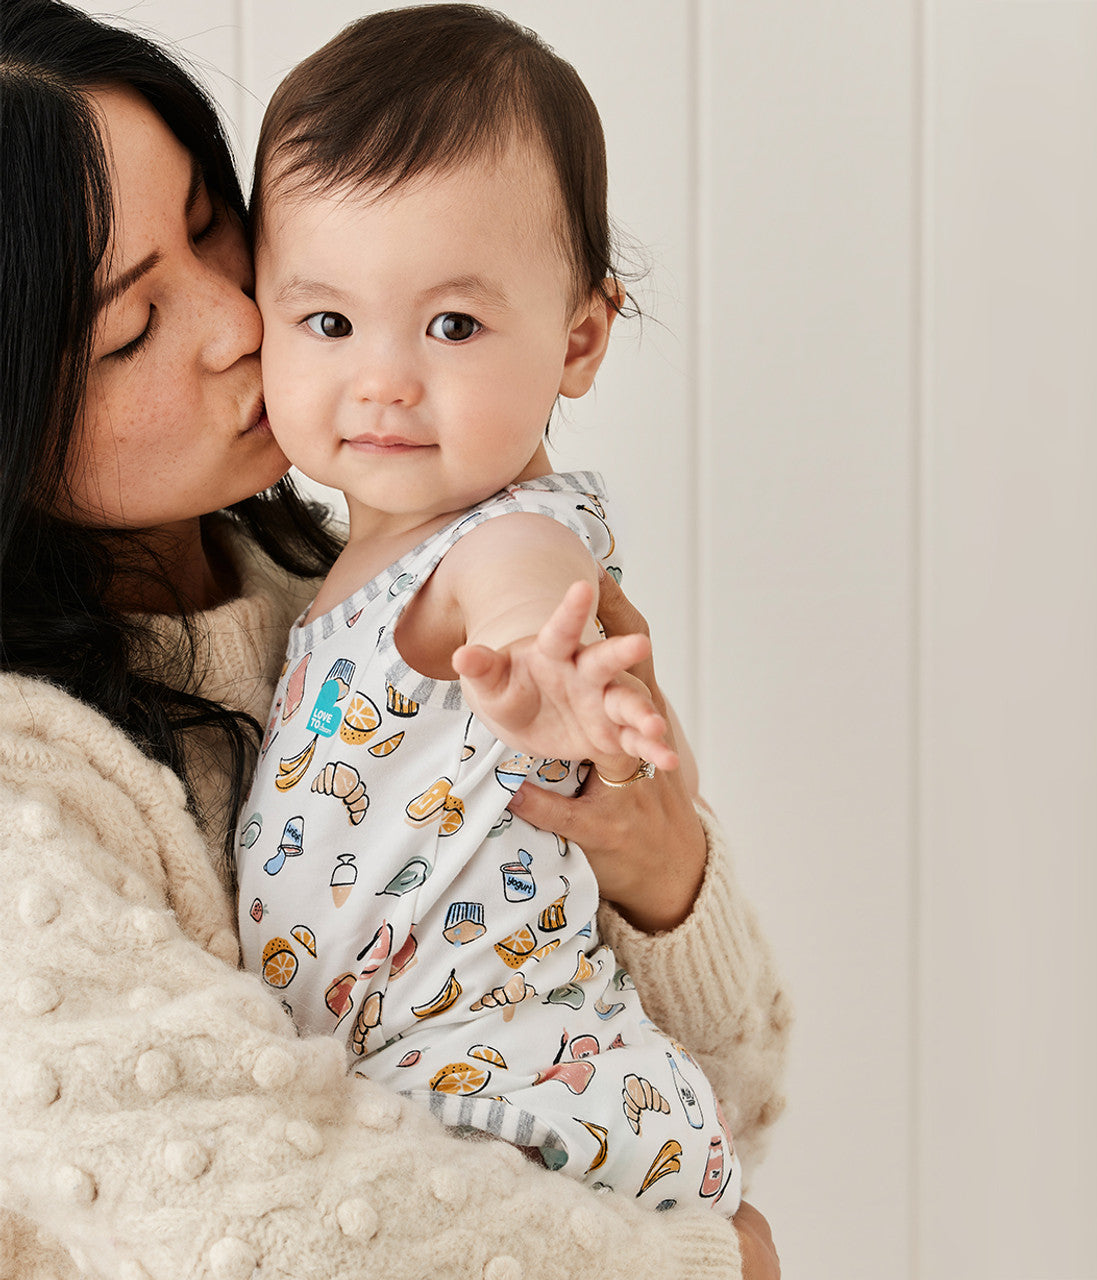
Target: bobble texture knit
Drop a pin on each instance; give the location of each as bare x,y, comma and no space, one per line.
161,1120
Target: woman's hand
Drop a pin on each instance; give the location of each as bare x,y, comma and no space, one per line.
644,841
760,1260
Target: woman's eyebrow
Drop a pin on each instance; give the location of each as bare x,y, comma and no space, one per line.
115,288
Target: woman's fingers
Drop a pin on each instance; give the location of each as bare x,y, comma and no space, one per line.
760,1260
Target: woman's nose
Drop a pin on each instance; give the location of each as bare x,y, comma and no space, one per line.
232,326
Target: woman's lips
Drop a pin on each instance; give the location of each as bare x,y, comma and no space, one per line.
261,423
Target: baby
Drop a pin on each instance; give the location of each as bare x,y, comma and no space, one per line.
433,270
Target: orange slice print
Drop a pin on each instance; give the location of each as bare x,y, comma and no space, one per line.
305,937
387,747
460,1078
360,720
279,963
515,949
453,816
486,1053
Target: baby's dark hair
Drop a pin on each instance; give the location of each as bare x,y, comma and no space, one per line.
409,91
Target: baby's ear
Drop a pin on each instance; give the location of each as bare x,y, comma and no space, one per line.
588,339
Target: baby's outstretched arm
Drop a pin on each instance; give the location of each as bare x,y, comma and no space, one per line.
533,667
552,694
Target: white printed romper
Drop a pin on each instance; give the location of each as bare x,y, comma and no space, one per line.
390,897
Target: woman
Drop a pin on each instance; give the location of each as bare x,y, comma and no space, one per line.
161,1118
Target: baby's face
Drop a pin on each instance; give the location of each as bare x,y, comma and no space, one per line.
414,344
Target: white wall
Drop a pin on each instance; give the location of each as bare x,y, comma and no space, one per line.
855,453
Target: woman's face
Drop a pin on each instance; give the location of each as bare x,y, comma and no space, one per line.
173,424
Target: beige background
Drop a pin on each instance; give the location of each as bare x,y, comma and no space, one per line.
855,453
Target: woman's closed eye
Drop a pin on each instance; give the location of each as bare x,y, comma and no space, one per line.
453,326
130,350
329,324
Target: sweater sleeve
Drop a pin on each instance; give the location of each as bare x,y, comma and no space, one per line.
712,984
161,1120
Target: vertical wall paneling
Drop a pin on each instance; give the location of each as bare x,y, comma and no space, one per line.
806,589
854,452
1009,948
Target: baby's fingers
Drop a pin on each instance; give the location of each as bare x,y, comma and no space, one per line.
562,634
486,667
642,729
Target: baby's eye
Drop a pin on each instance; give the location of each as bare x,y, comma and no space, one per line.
329,324
453,326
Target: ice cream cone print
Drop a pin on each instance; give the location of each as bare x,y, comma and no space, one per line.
638,1096
601,1135
553,917
665,1162
448,995
343,878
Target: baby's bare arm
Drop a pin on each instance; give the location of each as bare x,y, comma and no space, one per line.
533,668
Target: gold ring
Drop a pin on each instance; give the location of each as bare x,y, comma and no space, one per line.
645,770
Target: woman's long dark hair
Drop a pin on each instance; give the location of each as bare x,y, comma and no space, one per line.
57,621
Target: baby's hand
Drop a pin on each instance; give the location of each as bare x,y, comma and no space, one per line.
551,695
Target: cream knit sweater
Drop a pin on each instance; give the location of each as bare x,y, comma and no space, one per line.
161,1120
